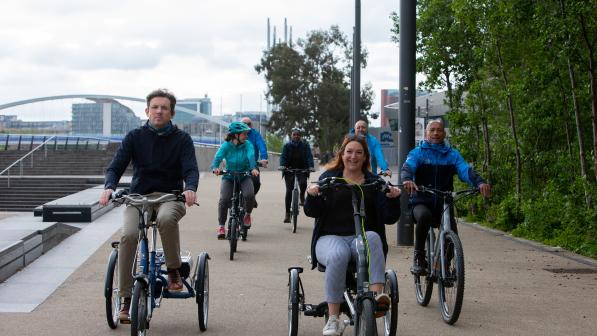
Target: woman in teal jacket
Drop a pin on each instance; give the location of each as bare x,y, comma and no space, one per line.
240,157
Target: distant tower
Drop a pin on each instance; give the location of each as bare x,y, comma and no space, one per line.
290,38
285,31
268,35
274,36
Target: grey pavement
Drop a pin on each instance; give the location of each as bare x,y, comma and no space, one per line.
512,287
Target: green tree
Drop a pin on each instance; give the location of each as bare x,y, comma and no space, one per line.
310,86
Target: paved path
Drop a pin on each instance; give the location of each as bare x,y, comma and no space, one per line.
509,288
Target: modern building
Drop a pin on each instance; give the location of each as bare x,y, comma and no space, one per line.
11,123
202,105
388,97
92,118
429,105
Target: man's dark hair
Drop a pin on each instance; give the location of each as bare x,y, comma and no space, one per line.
162,93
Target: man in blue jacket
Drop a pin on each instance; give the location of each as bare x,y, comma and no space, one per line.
260,153
377,158
433,164
296,154
163,157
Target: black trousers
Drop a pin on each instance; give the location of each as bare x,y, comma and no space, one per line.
289,179
424,218
256,183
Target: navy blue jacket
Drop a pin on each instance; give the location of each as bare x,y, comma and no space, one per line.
160,162
305,154
387,212
434,166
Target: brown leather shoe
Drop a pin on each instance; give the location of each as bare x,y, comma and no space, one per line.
383,304
123,315
174,281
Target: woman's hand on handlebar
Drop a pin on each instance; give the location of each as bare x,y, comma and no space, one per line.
393,192
216,171
410,186
313,189
255,172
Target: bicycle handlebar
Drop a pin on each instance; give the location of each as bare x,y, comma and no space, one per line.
123,197
235,173
330,182
296,170
433,191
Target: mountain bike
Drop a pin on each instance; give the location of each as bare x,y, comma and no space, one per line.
445,260
150,285
294,204
359,302
236,226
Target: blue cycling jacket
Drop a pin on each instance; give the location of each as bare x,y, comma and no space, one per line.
434,166
258,144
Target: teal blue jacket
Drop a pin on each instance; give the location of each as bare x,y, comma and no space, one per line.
239,158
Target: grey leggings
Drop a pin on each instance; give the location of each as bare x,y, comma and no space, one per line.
334,252
246,185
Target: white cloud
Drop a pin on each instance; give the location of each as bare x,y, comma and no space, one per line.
192,47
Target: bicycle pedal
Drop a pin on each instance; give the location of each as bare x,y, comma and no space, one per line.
125,321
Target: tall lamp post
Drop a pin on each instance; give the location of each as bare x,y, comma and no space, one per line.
355,87
407,107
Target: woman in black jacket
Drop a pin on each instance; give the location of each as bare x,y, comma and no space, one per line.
333,239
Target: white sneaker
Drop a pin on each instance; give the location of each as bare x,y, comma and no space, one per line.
331,328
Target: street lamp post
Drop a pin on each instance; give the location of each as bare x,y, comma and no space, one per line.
355,87
407,107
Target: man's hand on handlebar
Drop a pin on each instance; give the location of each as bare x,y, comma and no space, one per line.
410,186
105,196
190,197
386,172
263,163
485,189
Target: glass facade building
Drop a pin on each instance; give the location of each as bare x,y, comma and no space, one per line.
87,118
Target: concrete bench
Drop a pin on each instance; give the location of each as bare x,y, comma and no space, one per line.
25,239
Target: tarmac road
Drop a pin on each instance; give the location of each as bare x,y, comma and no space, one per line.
509,289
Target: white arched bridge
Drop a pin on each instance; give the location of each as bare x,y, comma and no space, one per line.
99,97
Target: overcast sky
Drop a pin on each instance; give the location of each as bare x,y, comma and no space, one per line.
192,47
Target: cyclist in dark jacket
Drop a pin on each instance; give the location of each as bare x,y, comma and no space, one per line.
333,239
296,154
433,164
163,157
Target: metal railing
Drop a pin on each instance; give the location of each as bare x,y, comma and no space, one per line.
22,159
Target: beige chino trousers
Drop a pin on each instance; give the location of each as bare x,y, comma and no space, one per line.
168,215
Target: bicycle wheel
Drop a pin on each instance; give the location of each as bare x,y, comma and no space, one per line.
451,288
111,290
366,319
295,209
293,302
424,284
389,322
202,290
233,236
139,323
